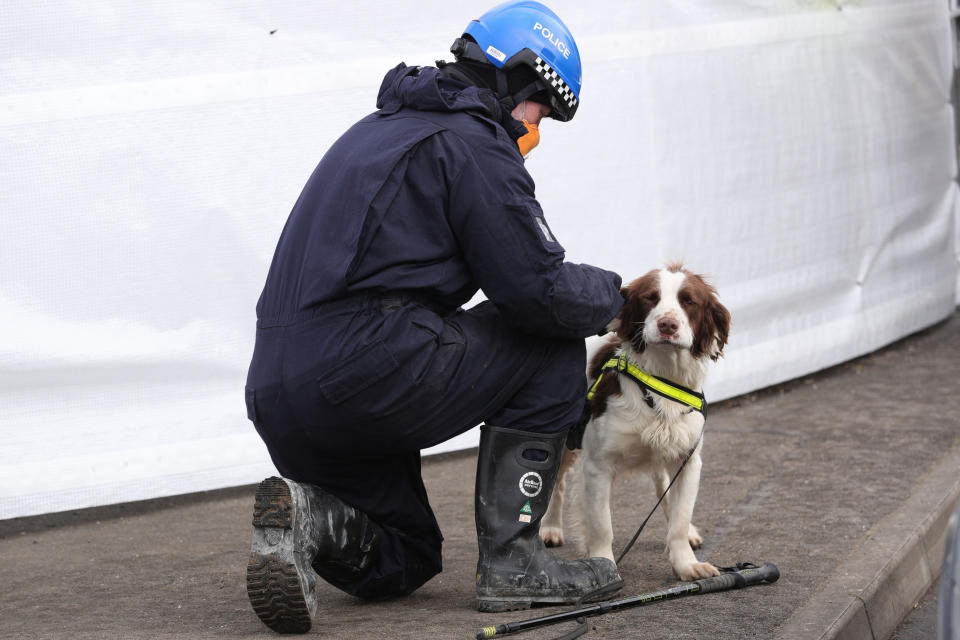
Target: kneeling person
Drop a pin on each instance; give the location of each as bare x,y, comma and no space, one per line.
364,355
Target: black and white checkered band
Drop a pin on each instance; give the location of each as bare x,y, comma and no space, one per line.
564,92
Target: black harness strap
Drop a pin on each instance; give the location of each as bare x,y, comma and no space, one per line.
648,383
651,383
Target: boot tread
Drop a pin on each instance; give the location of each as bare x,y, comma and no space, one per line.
500,606
273,504
273,587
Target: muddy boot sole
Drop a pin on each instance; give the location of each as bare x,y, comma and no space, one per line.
281,590
500,604
491,605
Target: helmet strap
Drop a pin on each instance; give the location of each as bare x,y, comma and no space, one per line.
527,91
503,91
511,100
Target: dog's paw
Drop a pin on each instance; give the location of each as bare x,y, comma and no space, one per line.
552,536
696,571
693,535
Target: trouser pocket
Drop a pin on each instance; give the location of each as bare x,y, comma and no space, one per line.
367,366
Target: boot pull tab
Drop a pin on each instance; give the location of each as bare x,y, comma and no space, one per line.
536,454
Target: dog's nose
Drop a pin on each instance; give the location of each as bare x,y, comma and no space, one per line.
668,326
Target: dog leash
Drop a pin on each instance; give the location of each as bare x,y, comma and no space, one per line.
672,480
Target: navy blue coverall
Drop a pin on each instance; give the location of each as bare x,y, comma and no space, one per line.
363,355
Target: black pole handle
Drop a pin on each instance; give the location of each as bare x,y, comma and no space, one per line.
767,572
744,577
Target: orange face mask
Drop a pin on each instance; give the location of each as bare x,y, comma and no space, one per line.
529,140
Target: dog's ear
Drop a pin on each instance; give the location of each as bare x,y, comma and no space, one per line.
710,320
640,297
719,317
613,325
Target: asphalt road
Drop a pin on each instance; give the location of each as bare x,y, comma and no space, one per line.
921,622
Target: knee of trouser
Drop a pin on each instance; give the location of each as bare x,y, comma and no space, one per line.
403,564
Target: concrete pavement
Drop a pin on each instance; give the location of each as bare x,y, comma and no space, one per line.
844,479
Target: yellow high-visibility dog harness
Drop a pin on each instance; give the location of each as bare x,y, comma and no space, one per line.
648,382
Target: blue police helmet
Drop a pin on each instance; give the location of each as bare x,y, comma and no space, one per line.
523,32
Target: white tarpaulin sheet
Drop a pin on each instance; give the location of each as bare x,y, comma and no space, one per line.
800,153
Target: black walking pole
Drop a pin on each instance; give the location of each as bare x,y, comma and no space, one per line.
732,580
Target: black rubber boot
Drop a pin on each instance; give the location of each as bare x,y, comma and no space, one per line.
300,531
516,471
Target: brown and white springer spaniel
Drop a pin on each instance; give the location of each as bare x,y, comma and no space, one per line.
671,326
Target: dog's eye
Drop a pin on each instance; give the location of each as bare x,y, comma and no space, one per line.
687,301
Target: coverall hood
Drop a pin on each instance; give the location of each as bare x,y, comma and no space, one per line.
426,89
429,89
